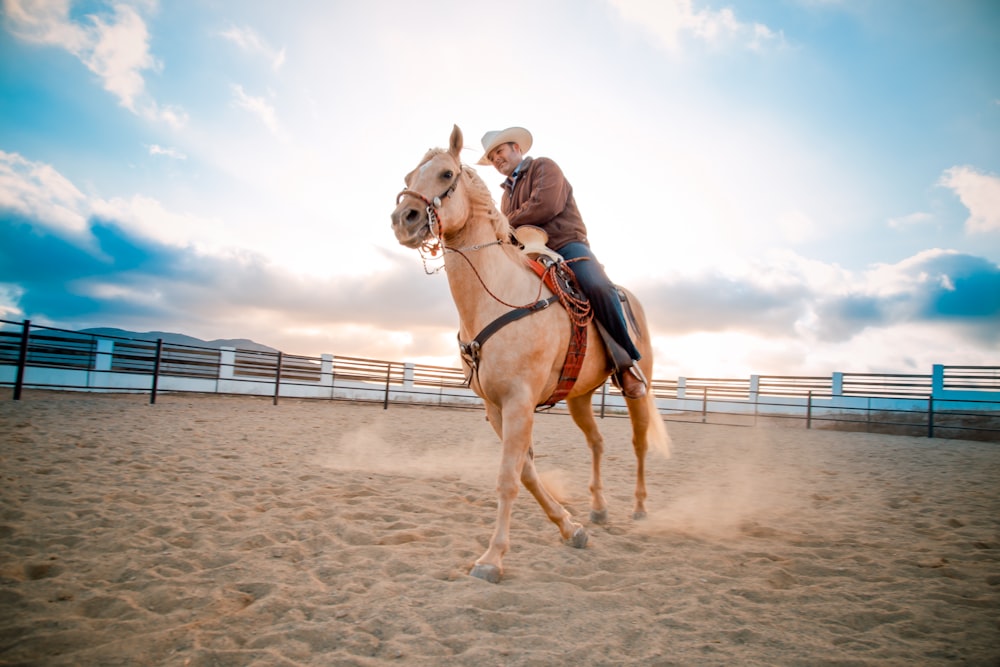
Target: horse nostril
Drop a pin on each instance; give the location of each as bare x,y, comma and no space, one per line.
412,216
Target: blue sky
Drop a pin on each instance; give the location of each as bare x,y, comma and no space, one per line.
797,186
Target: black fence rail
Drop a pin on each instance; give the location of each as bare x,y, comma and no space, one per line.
891,386
718,387
436,376
790,385
963,419
49,350
953,402
663,388
271,365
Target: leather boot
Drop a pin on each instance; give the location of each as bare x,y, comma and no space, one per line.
633,383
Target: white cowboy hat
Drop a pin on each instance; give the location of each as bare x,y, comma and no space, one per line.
494,138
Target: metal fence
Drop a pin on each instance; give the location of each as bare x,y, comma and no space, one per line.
952,402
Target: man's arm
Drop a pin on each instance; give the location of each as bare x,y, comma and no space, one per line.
548,196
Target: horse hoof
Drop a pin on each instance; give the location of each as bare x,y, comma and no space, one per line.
638,516
490,573
599,517
579,539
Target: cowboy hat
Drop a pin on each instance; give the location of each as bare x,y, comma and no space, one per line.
512,135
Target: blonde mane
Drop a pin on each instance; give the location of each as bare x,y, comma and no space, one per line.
481,201
480,197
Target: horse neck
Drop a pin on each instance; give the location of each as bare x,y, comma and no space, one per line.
486,282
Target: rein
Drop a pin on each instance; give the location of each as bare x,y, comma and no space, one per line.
576,306
560,280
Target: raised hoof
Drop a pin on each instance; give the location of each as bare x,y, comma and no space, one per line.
600,517
579,539
490,573
638,516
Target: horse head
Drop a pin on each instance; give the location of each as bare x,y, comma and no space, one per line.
427,209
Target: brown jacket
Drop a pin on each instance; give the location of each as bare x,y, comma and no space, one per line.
543,197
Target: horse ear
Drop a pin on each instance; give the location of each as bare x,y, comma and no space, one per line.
456,141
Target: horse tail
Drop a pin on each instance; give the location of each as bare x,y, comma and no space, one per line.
657,438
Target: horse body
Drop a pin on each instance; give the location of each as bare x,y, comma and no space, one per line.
521,363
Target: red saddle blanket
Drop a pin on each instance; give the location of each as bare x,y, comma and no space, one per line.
559,278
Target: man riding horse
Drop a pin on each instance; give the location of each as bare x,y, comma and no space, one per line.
536,193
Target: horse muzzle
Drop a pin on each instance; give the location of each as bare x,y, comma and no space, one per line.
411,225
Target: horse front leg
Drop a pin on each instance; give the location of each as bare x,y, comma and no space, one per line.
572,533
514,427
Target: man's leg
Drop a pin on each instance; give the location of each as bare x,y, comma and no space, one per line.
607,307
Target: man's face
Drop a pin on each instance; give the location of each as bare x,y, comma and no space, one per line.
506,157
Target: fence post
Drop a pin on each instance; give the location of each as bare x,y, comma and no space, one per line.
604,396
809,410
277,379
930,416
22,360
704,404
388,376
156,371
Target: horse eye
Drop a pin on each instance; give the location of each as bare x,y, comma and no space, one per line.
448,174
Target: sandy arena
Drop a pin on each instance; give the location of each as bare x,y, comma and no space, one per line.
227,531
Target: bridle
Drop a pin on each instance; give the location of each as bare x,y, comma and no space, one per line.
433,220
431,249
579,311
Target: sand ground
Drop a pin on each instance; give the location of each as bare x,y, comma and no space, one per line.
227,531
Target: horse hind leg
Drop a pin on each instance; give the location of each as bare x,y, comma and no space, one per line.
582,411
648,431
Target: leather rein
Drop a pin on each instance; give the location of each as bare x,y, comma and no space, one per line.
547,273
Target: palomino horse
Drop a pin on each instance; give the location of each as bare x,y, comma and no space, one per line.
447,207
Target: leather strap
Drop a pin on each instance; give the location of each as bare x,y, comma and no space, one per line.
470,350
576,351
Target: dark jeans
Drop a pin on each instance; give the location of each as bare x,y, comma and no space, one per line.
602,293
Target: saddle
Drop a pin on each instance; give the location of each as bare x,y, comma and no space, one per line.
533,242
559,277
552,268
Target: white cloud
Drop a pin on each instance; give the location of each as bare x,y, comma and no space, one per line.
119,53
978,192
155,149
41,195
46,22
39,192
910,220
797,227
669,21
173,116
248,40
10,295
115,48
259,107
148,217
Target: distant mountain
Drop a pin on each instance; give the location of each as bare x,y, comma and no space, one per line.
180,339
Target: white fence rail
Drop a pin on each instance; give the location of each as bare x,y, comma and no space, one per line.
955,401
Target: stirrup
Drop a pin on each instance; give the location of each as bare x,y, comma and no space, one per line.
638,374
634,370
